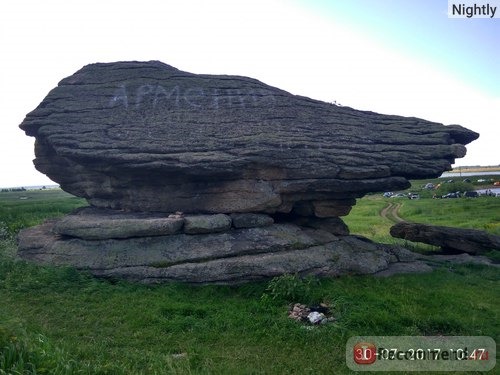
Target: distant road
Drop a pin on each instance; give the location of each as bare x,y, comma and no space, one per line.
32,187
469,174
493,190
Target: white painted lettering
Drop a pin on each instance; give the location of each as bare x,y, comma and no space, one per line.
142,91
120,96
235,96
215,98
192,94
162,94
194,97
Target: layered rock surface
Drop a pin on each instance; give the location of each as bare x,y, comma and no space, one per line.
111,247
114,244
145,136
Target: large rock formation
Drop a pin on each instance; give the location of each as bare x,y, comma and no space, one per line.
204,178
145,136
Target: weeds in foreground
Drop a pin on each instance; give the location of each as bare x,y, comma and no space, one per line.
21,353
24,353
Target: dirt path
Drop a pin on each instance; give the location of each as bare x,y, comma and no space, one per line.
391,212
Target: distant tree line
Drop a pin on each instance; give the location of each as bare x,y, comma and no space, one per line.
13,189
7,190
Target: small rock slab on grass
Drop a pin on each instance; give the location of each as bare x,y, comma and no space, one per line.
470,241
96,224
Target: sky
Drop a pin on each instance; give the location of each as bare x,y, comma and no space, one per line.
404,57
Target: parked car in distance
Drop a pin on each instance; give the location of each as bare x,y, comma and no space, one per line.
413,196
388,194
496,183
429,186
398,195
471,194
452,195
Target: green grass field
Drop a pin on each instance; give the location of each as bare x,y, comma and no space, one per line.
23,209
478,213
61,321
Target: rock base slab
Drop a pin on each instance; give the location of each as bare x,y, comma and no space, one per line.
235,255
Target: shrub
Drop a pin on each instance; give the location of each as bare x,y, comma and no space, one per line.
454,187
291,288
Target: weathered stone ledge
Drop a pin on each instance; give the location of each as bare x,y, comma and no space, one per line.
100,224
